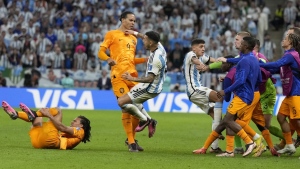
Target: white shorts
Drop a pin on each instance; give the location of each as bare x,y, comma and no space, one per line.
138,94
200,97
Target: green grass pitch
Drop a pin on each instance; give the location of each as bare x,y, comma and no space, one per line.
171,147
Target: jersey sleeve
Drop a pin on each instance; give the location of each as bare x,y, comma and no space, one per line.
205,59
157,65
108,39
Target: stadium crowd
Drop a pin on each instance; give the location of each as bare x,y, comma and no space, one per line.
60,39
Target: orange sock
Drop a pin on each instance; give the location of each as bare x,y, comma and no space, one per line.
244,136
53,112
211,138
267,137
246,128
288,138
229,143
135,122
127,125
23,116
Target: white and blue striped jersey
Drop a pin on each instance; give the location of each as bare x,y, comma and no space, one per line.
157,64
191,74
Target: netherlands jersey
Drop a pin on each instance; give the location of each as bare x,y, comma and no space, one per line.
157,64
191,75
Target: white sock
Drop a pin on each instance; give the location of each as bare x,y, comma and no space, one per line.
133,110
256,136
141,108
216,121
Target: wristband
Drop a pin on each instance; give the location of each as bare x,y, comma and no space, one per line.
135,33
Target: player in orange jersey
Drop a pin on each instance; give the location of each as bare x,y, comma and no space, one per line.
122,47
51,134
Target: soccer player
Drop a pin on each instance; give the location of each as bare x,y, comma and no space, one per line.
267,101
198,94
288,66
47,135
246,97
218,106
122,59
151,85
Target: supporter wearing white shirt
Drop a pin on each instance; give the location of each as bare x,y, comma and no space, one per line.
157,7
206,19
58,59
223,8
46,57
236,23
96,45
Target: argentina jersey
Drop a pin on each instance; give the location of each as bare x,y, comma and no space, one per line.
157,64
191,74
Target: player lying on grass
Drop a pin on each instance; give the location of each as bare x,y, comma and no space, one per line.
51,134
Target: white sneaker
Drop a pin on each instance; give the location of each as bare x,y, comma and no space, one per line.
225,154
249,149
288,149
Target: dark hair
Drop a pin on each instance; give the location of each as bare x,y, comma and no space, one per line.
124,14
86,127
197,41
154,36
250,41
296,30
295,41
257,42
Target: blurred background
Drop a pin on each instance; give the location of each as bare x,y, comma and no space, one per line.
54,44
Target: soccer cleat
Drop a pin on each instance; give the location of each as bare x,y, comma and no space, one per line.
25,109
225,154
217,150
258,143
9,110
200,151
261,149
133,147
142,125
288,149
221,137
279,146
297,142
249,148
239,150
137,145
274,152
152,128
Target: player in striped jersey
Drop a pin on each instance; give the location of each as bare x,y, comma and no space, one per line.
194,61
151,85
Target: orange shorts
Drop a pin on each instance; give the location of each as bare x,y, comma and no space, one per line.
45,136
290,106
258,116
243,111
121,86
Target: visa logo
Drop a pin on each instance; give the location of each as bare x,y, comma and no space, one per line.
172,102
66,99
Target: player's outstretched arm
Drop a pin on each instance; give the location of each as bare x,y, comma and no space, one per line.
58,124
148,79
103,56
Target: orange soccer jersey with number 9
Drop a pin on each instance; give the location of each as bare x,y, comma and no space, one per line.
122,49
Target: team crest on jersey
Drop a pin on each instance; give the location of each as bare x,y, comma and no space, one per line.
133,42
121,90
78,128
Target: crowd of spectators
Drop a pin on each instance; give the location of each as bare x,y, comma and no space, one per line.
60,39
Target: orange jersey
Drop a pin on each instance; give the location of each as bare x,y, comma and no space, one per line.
122,49
74,139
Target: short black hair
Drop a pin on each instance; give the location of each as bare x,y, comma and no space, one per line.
154,36
250,41
197,41
257,42
124,14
